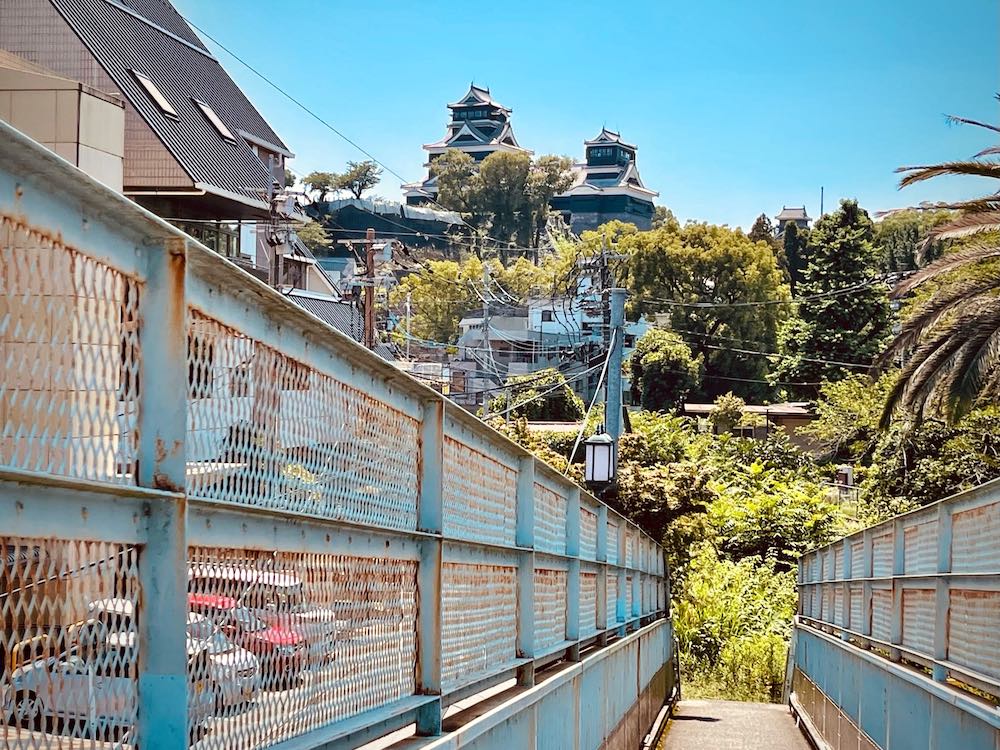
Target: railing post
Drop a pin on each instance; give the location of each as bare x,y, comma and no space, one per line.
602,572
525,538
898,566
430,520
162,424
573,573
942,591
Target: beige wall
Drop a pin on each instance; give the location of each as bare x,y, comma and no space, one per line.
85,128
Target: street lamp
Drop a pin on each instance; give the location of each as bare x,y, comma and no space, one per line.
600,460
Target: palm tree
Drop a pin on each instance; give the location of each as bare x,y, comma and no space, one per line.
951,342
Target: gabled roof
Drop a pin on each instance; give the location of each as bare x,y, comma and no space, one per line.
793,214
608,136
152,38
478,95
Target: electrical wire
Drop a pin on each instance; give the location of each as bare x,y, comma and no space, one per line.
764,303
593,402
549,390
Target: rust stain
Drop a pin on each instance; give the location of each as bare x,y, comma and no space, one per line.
84,514
162,482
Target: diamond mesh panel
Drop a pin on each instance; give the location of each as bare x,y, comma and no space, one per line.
479,620
612,542
550,520
612,597
69,353
588,602
68,673
588,534
300,639
550,607
264,429
479,495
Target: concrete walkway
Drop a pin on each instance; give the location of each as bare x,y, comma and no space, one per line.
728,725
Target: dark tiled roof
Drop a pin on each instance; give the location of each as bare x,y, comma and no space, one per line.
791,214
121,43
343,316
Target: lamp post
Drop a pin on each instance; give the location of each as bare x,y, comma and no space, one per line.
600,461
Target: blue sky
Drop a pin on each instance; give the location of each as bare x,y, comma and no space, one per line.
737,106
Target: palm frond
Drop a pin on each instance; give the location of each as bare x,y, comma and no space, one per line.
927,361
956,120
965,168
966,256
987,152
975,361
930,313
966,225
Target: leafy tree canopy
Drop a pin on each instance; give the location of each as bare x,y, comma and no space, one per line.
701,263
900,239
832,325
358,177
663,370
313,236
542,396
848,415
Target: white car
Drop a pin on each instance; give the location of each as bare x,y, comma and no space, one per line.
93,683
234,672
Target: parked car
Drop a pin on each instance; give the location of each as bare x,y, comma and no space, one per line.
281,650
276,597
93,683
233,671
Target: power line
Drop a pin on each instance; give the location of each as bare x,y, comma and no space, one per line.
550,390
735,350
593,402
763,303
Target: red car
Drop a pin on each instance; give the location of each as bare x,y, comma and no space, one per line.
281,651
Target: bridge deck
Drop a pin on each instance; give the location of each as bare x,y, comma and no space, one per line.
727,725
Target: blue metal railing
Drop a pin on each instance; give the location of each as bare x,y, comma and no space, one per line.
234,526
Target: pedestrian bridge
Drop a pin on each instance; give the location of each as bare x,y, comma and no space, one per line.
225,525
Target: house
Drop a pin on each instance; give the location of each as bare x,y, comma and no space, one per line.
194,150
795,215
606,187
479,126
789,417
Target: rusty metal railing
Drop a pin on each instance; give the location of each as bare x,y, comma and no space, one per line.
224,523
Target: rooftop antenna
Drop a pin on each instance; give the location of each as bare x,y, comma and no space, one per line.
821,201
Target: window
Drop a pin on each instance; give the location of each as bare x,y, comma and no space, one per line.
214,119
546,316
155,95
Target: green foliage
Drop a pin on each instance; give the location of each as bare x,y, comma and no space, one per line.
771,513
727,413
319,182
848,415
558,404
701,263
313,235
506,195
732,620
664,217
663,370
655,439
848,327
919,463
357,178
900,235
793,247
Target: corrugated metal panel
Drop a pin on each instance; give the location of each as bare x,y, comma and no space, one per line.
882,554
920,548
976,532
838,562
857,606
838,605
882,614
918,620
974,630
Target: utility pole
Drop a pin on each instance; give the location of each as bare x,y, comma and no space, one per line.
486,332
370,288
613,400
408,334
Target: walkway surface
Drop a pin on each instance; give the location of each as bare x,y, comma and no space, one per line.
728,725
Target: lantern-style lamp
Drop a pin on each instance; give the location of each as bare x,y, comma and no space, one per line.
600,459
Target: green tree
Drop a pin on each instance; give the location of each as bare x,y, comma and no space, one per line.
320,183
289,178
541,396
762,230
664,217
900,239
441,292
793,247
848,415
727,413
663,370
834,327
506,195
357,178
701,277
313,235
